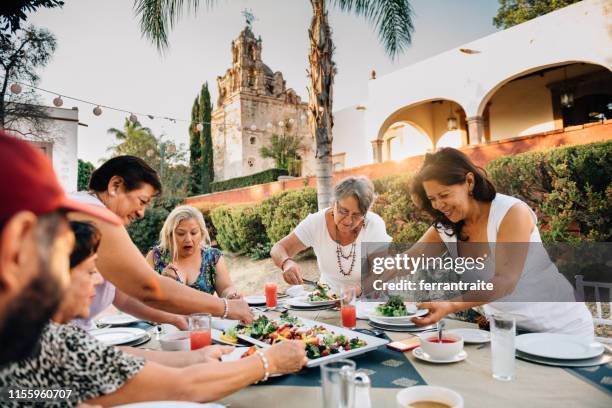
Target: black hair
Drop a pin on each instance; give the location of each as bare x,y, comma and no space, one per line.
134,171
450,166
86,241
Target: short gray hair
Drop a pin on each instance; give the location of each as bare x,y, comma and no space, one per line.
359,187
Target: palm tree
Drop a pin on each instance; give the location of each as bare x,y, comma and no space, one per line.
391,18
134,140
282,148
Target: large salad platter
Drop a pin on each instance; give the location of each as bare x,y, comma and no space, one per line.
324,342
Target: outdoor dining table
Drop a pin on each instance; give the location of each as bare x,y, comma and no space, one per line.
534,386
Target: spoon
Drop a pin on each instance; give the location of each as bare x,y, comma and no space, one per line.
440,328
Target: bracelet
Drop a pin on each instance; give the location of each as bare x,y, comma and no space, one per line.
266,365
225,308
284,262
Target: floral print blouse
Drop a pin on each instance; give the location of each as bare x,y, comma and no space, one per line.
205,281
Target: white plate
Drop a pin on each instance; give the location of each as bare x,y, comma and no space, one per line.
299,303
223,324
216,337
389,319
255,300
364,309
402,329
372,342
473,336
169,404
118,319
421,355
558,346
115,336
589,362
304,299
295,291
402,323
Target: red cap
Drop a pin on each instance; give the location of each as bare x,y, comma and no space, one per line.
28,183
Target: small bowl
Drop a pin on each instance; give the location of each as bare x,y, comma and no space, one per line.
422,393
177,341
295,290
441,351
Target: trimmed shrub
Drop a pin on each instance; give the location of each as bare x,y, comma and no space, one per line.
266,176
239,227
145,232
404,222
570,188
282,212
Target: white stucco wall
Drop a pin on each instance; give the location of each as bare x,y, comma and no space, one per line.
61,129
350,138
578,33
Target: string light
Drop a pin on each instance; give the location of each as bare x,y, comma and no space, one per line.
58,101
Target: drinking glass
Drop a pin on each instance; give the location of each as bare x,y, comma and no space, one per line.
348,310
200,330
271,294
337,383
503,331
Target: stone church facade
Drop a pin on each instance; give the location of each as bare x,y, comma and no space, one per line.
253,104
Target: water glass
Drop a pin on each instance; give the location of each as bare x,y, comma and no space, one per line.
503,332
200,325
337,382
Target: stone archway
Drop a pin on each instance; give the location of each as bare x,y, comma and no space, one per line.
531,101
432,121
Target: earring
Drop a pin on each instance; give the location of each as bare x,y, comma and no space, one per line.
114,193
471,193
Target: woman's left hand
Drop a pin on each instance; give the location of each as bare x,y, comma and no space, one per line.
180,322
212,354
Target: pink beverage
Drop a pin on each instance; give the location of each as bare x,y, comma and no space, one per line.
349,316
200,339
271,292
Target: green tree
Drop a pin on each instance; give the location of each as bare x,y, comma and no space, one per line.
21,54
513,12
282,149
195,154
391,18
85,169
165,157
206,148
13,13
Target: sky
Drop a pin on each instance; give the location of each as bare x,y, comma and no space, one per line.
102,57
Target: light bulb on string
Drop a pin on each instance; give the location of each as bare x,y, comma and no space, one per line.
199,127
291,121
58,101
97,110
269,125
303,117
253,127
133,118
281,123
16,89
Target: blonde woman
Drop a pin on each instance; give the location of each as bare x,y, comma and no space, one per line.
185,254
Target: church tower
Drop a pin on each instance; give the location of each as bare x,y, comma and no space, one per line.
253,104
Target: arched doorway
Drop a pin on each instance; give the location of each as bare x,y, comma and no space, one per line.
547,98
413,130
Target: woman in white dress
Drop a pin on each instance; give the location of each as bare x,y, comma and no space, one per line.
336,235
467,209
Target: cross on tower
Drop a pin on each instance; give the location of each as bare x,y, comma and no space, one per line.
249,17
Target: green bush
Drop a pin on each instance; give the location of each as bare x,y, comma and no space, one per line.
145,232
570,188
266,176
282,212
404,222
239,227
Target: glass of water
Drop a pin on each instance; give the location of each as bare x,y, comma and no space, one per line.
337,383
503,332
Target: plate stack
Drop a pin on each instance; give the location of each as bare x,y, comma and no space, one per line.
303,303
398,323
121,336
560,350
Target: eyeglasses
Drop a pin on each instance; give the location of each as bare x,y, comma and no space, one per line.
343,212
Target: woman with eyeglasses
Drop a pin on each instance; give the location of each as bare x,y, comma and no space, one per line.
335,234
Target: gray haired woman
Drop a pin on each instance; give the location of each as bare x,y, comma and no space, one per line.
336,235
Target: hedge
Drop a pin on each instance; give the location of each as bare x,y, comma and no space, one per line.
239,227
266,176
145,232
570,188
